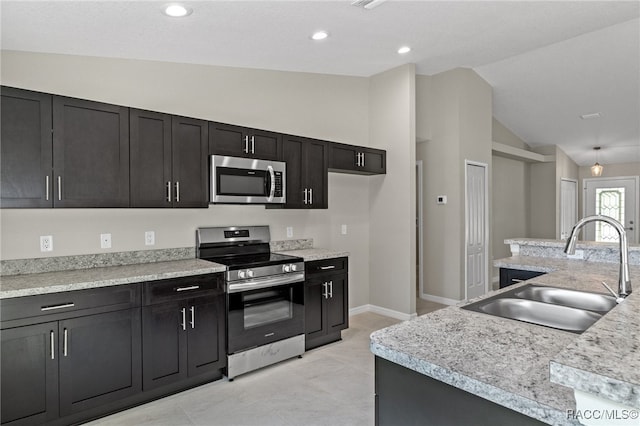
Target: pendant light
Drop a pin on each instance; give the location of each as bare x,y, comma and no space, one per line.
596,169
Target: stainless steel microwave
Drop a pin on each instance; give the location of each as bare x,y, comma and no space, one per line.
236,180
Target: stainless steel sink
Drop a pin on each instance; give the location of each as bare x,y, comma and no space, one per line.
560,308
565,297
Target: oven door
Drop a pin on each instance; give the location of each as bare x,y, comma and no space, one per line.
260,316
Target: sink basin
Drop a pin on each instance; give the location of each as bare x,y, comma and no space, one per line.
547,314
560,308
565,297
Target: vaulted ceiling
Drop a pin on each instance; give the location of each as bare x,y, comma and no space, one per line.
548,62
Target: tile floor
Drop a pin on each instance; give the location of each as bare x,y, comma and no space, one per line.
330,385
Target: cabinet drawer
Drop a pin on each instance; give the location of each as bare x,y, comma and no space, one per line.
61,304
182,288
325,266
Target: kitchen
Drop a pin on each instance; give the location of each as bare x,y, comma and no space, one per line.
380,111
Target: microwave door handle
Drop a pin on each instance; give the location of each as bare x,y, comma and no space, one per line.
271,183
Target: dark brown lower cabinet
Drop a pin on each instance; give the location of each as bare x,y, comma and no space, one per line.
59,368
326,301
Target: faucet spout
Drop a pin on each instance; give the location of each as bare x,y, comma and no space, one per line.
624,280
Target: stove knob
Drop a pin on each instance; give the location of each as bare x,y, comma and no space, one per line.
286,268
294,268
249,273
241,274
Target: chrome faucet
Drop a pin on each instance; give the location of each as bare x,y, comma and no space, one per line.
624,281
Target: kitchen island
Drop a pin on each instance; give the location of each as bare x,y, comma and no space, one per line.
525,368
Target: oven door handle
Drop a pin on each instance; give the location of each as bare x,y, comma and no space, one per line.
258,283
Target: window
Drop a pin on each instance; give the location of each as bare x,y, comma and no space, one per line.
609,202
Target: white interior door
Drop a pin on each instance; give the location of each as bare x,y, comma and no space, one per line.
568,206
476,229
614,197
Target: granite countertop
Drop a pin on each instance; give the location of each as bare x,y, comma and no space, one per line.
310,254
508,362
78,279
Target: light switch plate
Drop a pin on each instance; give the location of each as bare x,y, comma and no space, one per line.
149,238
289,231
343,229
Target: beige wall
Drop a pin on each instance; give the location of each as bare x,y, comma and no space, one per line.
458,110
392,197
326,107
505,136
566,168
542,196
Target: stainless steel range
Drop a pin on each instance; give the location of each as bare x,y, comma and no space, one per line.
265,296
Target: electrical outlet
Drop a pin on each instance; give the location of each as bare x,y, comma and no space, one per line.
46,243
149,238
289,231
343,229
105,241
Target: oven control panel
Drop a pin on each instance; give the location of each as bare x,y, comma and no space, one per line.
265,271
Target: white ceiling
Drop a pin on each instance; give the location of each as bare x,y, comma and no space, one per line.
548,62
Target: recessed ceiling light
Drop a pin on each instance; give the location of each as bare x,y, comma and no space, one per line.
320,35
177,10
404,49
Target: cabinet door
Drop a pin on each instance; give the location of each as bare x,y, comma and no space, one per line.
100,359
29,374
314,311
164,344
374,161
206,337
338,303
90,153
226,139
265,145
292,149
343,157
26,156
190,170
151,181
316,174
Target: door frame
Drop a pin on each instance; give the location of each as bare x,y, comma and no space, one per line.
636,219
485,166
559,236
420,226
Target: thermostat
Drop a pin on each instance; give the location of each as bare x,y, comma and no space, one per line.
442,199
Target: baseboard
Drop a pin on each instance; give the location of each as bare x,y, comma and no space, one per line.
441,300
381,311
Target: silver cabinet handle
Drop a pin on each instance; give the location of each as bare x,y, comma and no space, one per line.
191,287
515,280
305,196
246,144
357,159
177,191
325,290
46,185
65,341
253,144
184,318
331,289
324,268
52,336
54,307
363,159
193,316
168,191
310,195
59,188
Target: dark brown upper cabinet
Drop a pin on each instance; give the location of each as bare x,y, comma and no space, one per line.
306,173
90,154
356,159
27,158
168,160
237,141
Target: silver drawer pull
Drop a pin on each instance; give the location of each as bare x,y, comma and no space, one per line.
54,307
183,324
269,334
324,268
193,317
192,287
515,280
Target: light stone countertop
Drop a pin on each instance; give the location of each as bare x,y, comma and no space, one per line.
508,362
79,279
311,254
